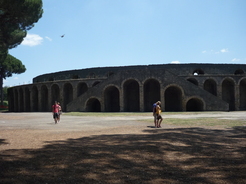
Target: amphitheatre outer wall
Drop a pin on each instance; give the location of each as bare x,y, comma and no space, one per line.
180,87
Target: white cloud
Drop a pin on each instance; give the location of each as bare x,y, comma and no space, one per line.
215,52
175,62
48,38
235,60
32,40
224,50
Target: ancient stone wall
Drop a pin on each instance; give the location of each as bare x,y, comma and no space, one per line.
180,87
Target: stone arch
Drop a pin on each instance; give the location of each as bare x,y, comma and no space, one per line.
228,92
55,94
11,99
210,86
198,72
51,79
131,95
44,99
75,76
35,98
27,100
193,81
81,88
173,98
239,72
194,104
21,100
242,94
67,95
93,105
151,89
16,102
112,99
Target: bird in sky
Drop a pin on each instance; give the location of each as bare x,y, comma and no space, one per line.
62,36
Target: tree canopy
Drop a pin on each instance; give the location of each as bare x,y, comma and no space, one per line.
10,66
16,18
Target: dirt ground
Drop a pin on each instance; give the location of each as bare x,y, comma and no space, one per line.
121,149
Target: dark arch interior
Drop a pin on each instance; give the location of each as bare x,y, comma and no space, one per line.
131,96
211,86
112,99
173,99
194,105
151,94
93,105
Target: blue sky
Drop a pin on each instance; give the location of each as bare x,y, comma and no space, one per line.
100,33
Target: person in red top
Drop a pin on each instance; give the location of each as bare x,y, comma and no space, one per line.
55,110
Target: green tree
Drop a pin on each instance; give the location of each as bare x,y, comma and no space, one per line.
10,66
16,18
5,93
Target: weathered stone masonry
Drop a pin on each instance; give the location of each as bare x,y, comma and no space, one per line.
180,87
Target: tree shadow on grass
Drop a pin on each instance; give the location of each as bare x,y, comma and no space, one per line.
183,155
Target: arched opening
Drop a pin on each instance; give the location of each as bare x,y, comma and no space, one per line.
21,100
242,94
151,94
112,99
131,96
228,93
198,72
193,81
194,104
67,95
27,100
35,99
93,105
239,72
81,88
44,99
11,99
210,86
55,94
173,99
16,101
75,77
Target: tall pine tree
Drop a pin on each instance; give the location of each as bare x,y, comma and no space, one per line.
16,18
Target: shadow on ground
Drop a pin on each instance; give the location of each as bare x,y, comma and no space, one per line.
184,155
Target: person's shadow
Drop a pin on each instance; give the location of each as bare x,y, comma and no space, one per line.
151,126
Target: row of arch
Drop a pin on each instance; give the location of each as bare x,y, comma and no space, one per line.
39,98
201,72
92,75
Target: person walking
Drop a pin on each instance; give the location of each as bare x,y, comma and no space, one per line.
158,116
59,112
55,110
154,112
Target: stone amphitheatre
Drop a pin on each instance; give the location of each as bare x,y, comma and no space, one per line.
180,87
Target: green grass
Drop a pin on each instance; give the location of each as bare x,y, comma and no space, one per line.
192,122
207,122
